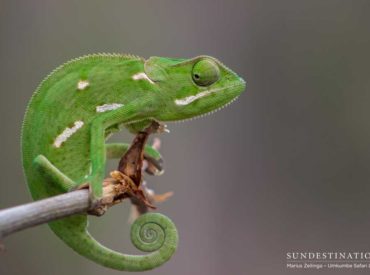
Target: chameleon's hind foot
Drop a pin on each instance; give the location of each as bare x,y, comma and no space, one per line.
94,201
153,164
52,174
94,184
112,194
85,185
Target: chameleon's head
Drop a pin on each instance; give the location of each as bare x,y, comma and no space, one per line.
192,87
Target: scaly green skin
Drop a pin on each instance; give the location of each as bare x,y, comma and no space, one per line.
80,103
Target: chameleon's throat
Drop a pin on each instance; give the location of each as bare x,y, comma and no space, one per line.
208,113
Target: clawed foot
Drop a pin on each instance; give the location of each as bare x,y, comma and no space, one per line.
94,197
152,165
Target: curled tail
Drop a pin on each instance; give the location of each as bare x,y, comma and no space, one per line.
151,232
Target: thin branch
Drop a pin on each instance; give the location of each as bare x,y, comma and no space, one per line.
76,202
31,214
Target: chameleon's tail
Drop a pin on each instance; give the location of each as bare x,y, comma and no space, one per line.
151,232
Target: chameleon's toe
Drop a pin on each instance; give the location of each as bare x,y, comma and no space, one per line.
94,201
80,187
162,128
95,190
154,166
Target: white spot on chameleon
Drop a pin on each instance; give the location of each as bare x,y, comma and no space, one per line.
108,107
139,76
67,133
189,99
82,85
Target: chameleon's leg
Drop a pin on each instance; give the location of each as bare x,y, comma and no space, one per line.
52,174
98,160
130,112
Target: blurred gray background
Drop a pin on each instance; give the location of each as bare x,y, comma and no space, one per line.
285,168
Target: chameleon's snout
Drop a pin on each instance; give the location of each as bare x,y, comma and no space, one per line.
242,84
238,86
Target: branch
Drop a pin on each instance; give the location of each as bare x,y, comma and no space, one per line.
28,215
76,202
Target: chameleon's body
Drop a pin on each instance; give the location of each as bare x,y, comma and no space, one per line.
80,103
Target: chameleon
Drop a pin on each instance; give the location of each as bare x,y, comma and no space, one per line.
81,103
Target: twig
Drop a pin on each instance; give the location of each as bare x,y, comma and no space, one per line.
35,213
76,202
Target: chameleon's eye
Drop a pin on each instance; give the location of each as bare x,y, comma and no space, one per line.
205,72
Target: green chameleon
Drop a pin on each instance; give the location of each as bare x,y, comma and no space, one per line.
80,103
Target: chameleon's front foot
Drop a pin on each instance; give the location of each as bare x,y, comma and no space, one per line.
95,186
153,162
